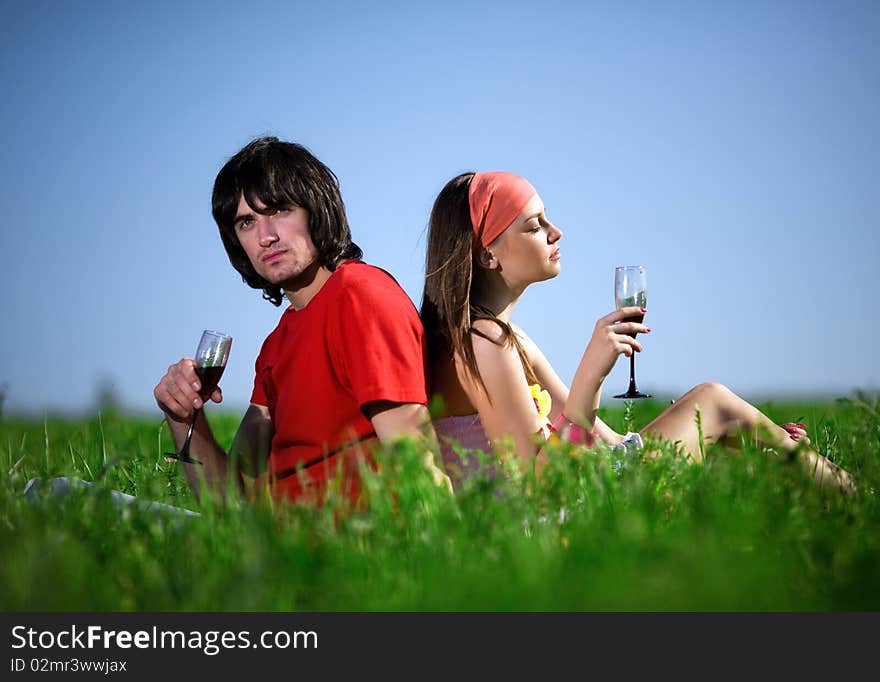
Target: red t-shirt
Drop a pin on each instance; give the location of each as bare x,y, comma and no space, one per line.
358,340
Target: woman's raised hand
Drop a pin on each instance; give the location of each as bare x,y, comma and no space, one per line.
614,335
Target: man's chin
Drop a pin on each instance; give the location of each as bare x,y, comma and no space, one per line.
294,277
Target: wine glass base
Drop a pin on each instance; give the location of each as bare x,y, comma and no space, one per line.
633,395
182,458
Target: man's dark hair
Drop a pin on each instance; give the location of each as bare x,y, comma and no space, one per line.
280,174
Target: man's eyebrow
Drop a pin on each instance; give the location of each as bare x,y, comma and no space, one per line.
241,216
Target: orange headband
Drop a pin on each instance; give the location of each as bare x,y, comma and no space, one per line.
496,199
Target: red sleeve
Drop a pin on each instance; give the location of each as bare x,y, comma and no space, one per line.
379,341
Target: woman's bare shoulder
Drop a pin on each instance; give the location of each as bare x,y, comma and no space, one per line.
488,330
543,369
493,354
528,345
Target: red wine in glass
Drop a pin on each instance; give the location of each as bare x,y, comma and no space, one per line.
211,356
209,377
631,289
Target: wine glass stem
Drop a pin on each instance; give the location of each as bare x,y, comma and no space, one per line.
185,449
632,373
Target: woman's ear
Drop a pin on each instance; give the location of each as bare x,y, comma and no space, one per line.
487,259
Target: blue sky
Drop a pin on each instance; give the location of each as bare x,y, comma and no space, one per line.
730,147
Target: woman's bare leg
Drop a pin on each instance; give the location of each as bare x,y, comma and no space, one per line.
723,415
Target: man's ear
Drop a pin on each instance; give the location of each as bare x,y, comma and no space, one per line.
487,259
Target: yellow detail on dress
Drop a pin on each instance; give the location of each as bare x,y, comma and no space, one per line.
543,401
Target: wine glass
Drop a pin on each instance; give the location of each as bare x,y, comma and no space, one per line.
631,288
211,356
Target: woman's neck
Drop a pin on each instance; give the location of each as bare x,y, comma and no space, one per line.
499,299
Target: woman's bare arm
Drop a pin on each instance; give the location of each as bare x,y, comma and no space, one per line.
556,387
505,404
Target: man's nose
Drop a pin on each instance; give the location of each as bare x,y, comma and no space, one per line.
266,231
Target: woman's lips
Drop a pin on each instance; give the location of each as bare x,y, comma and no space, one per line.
555,255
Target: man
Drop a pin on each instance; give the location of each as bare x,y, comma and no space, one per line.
345,365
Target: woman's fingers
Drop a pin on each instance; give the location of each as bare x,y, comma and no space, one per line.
630,312
621,314
627,344
613,336
630,328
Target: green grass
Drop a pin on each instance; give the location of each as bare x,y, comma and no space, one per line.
744,532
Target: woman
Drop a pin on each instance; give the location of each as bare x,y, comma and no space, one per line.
489,239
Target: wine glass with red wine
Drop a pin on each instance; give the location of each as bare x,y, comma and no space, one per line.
631,288
211,356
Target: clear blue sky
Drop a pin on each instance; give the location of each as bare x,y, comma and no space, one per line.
730,147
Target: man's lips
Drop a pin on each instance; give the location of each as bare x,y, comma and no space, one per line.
272,255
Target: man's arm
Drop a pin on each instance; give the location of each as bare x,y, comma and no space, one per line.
247,455
177,396
214,469
392,421
253,441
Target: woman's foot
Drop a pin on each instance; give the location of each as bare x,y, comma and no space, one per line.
797,432
825,472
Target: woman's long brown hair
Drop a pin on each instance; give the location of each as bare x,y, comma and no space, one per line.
451,274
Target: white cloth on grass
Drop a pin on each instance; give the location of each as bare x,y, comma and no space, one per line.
631,444
62,485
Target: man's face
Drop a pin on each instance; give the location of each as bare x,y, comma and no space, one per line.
278,244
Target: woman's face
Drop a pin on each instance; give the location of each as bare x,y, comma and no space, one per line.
528,250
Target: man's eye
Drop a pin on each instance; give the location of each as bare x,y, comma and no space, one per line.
245,223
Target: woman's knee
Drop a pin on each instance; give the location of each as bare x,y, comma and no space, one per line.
713,388
709,391
716,399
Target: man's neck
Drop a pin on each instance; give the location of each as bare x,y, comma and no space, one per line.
303,289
